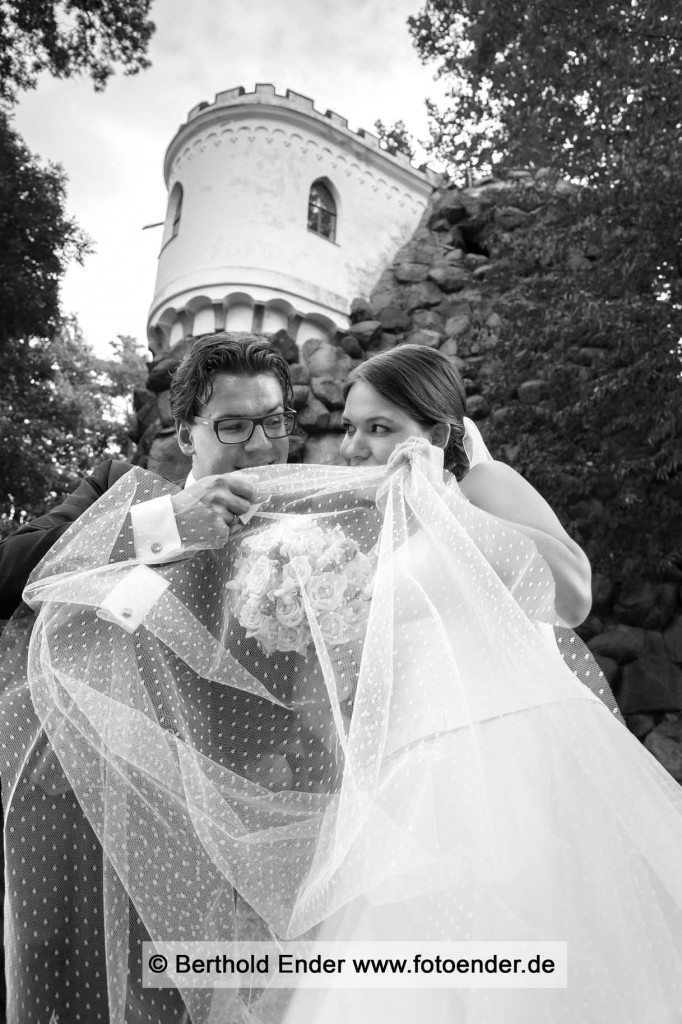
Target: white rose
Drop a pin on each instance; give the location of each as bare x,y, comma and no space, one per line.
289,610
298,569
261,577
326,591
291,639
250,615
334,628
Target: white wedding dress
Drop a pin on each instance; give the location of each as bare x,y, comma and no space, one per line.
445,778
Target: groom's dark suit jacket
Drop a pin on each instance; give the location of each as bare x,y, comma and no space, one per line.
21,552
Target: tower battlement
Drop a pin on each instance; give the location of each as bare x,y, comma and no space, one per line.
266,94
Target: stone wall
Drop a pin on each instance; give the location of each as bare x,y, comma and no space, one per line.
436,292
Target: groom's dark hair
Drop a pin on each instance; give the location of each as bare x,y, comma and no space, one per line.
426,385
239,354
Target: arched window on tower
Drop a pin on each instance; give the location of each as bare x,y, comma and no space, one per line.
322,211
173,215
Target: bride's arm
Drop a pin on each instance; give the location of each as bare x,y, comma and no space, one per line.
498,489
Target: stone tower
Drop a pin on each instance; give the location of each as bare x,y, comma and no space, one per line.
278,216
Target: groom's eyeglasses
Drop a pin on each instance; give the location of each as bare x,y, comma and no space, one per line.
238,429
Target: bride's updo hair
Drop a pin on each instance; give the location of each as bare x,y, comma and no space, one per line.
424,384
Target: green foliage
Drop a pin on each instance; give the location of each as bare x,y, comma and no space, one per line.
70,37
583,86
395,138
38,240
604,442
62,410
592,283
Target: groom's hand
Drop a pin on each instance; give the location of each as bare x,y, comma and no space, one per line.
228,495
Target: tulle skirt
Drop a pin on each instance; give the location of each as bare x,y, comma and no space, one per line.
568,830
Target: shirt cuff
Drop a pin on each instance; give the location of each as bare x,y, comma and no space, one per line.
133,597
155,532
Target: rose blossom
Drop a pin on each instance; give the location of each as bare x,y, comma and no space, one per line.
334,627
326,591
289,639
260,577
289,610
250,615
298,569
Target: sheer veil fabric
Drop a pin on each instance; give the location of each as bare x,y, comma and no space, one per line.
347,715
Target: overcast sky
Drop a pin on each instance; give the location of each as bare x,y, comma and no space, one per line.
353,56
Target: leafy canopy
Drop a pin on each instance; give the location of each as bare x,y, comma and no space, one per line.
591,285
70,37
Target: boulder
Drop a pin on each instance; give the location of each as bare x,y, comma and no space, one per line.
360,309
326,360
532,391
477,407
285,345
665,743
352,346
622,643
474,260
421,296
646,604
324,450
429,319
672,637
449,347
651,683
420,251
300,374
301,395
408,273
366,332
450,206
449,278
329,391
314,417
422,337
394,318
386,293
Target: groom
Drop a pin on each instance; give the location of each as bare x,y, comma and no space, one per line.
231,398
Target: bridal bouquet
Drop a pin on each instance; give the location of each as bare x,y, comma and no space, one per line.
296,571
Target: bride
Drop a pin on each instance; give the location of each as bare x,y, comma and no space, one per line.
354,717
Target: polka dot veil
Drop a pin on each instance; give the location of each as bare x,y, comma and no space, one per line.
324,708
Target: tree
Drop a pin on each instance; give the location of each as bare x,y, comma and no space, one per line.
53,424
592,284
61,410
395,138
38,240
70,37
